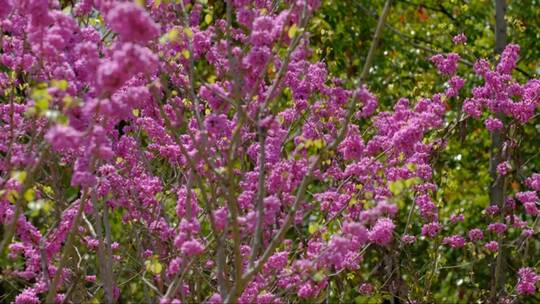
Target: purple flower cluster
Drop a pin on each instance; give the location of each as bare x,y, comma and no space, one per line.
382,231
141,27
501,94
446,65
527,281
459,39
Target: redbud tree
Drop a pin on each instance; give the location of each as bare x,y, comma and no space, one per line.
153,152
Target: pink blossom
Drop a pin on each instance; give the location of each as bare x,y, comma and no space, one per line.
534,181
459,38
366,289
381,232
492,246
498,228
475,234
446,65
455,241
527,281
5,8
408,239
192,247
431,229
132,23
493,124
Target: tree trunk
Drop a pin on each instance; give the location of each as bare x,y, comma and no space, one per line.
496,191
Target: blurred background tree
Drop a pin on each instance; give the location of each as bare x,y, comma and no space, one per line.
416,30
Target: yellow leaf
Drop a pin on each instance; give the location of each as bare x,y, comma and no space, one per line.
319,276
281,119
153,266
68,101
157,268
312,228
48,190
271,69
292,31
172,35
12,196
326,236
411,166
318,143
30,111
412,181
208,18
41,97
186,54
60,84
94,300
188,32
42,104
29,195
19,176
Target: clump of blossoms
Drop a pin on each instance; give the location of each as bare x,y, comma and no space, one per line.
258,183
527,281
